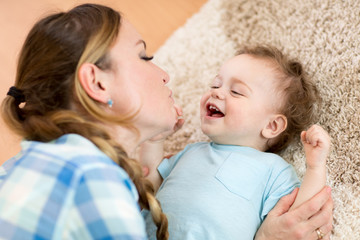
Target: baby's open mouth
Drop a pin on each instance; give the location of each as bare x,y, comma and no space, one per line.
213,111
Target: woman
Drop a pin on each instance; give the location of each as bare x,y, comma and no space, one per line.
86,95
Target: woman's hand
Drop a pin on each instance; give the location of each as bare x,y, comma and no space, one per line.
302,222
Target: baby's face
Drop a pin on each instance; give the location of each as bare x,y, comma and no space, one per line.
240,102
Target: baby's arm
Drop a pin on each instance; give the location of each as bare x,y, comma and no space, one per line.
152,151
316,143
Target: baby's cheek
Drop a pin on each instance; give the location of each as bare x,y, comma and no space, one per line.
204,98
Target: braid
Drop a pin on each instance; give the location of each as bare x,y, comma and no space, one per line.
144,187
147,198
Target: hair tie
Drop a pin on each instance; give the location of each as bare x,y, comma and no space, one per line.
17,94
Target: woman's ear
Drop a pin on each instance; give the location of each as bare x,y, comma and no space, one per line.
92,80
276,125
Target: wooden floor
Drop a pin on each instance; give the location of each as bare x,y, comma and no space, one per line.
154,19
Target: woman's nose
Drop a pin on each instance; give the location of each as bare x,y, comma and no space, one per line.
166,77
217,93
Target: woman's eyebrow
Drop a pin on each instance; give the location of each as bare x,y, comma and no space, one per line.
141,42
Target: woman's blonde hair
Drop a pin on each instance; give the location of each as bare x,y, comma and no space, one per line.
47,76
300,96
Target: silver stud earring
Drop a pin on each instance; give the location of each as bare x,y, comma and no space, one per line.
110,102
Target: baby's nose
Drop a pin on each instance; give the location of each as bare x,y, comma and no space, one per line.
217,93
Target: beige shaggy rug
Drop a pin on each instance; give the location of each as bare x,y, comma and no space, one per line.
323,34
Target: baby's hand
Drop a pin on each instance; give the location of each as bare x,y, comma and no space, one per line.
177,126
316,143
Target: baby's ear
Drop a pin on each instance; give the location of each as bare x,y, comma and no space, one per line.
276,125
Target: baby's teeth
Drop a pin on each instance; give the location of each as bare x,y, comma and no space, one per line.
212,107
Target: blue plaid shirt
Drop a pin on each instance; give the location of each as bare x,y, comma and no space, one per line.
67,189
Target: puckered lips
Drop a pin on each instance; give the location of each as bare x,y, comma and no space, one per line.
213,111
170,96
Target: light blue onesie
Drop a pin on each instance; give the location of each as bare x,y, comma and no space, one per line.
213,191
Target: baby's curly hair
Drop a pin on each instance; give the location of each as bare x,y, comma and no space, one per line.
300,96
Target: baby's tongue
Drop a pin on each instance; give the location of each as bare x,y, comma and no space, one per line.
217,114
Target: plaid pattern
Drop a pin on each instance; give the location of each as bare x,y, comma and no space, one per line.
67,189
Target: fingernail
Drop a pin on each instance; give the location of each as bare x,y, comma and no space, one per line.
328,189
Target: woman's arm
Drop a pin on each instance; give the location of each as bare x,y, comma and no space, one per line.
302,222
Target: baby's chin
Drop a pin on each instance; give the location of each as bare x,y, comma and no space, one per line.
214,138
206,132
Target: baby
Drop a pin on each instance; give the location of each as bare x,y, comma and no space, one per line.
258,103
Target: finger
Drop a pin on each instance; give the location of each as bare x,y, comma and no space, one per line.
168,156
320,235
309,137
178,110
145,171
324,219
284,203
314,137
303,136
327,236
313,205
314,127
179,124
320,138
